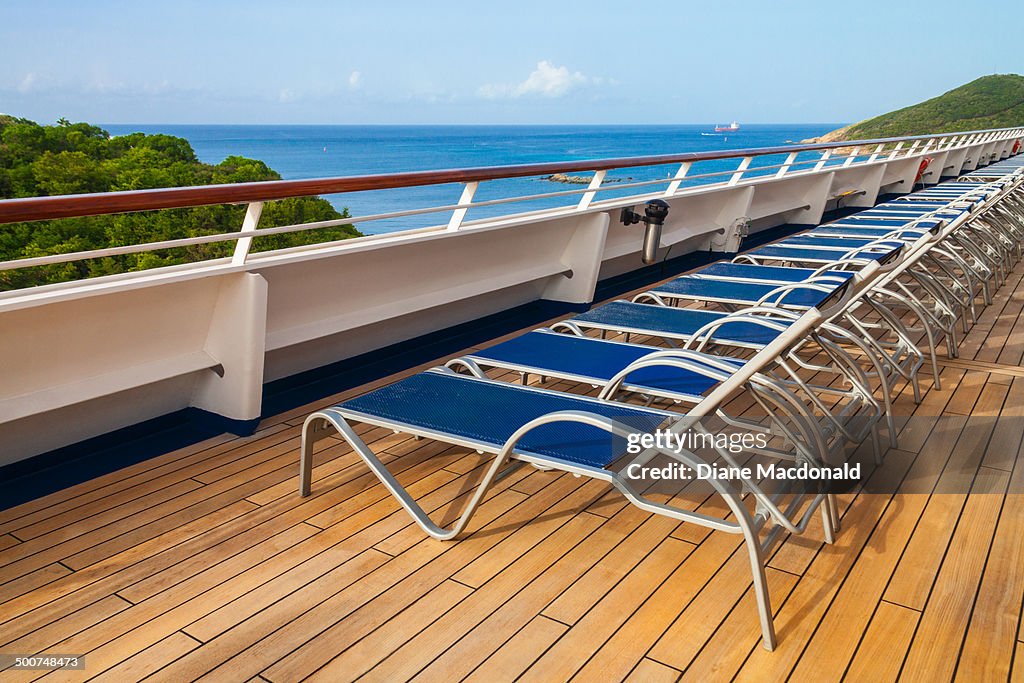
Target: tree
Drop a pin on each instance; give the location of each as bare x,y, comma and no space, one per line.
70,158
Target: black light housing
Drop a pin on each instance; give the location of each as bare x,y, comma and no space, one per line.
655,213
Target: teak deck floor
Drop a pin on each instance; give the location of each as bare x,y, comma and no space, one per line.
205,563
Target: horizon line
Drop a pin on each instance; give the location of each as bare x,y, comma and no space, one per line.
467,125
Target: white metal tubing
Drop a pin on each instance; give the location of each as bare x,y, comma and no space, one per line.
790,159
464,201
595,185
853,155
673,187
252,219
744,165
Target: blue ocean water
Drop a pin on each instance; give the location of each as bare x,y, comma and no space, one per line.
327,151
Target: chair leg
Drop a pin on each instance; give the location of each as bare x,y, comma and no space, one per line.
314,429
876,441
764,604
827,523
834,506
317,423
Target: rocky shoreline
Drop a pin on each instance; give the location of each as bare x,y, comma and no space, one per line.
580,179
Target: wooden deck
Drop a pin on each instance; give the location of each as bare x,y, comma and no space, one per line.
205,564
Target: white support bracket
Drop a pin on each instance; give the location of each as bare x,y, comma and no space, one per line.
464,201
744,165
592,188
673,187
790,158
242,246
853,155
824,157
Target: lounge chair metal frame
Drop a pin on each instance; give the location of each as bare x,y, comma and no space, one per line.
794,516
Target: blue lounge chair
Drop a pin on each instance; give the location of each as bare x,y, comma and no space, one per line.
684,377
571,434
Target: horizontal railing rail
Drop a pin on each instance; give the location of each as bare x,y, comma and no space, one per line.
68,206
255,193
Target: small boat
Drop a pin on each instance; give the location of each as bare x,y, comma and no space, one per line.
732,127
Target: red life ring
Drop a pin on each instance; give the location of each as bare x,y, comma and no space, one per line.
921,169
1016,147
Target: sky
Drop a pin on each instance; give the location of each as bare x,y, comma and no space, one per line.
549,62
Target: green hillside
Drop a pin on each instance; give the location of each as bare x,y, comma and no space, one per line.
70,158
989,102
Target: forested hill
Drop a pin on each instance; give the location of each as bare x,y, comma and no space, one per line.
989,102
70,158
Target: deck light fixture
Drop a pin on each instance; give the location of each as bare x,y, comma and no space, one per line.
655,212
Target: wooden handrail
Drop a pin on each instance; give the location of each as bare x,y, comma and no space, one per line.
68,206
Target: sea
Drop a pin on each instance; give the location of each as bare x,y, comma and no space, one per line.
316,151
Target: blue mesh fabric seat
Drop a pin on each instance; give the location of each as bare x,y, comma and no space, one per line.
890,223
872,221
673,323
919,204
759,273
859,232
906,234
727,291
490,413
821,242
592,360
781,253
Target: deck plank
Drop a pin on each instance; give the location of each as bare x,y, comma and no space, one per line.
722,655
1017,676
948,610
565,657
348,612
884,645
542,563
650,671
508,661
989,646
806,605
914,576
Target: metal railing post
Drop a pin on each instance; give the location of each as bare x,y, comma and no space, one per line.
249,223
744,165
790,158
464,201
673,187
853,155
592,188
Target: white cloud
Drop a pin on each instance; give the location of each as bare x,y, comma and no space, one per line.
27,83
547,80
286,96
355,79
